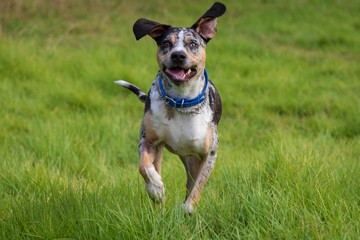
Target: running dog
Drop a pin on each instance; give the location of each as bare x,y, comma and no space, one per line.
182,108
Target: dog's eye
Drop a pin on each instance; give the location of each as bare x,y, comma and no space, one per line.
193,44
167,44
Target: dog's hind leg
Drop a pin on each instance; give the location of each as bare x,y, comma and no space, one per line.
192,165
150,169
198,171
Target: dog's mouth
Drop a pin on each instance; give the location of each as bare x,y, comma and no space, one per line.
180,75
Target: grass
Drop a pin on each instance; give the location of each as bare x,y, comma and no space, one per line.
288,163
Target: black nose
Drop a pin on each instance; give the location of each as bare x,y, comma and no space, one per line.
178,56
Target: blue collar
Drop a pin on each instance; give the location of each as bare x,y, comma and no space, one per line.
183,102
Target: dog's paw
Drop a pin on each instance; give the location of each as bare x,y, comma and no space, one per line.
188,208
155,187
156,193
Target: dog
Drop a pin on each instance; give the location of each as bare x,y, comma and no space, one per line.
182,108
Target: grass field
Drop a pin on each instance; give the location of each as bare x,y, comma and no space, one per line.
288,165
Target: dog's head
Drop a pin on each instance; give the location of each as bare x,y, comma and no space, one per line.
181,51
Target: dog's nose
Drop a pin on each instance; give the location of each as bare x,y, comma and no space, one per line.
178,56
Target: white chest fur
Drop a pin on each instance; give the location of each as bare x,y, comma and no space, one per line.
183,134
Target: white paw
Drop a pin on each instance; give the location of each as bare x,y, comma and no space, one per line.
187,207
155,187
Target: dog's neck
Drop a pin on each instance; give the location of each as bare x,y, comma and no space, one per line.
190,89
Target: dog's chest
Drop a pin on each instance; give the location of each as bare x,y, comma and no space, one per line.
183,134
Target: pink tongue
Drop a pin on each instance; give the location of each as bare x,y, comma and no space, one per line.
176,73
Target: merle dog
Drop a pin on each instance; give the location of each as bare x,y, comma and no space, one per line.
182,108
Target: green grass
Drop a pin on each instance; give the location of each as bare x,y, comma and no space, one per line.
288,165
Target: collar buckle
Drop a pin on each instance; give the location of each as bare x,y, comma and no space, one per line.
169,100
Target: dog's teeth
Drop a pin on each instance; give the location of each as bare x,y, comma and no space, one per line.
183,76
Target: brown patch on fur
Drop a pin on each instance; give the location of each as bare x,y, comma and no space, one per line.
147,156
193,195
161,57
199,59
188,38
150,134
202,173
172,39
208,140
158,31
192,165
158,158
150,156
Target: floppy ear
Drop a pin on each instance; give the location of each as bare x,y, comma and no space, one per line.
206,25
144,26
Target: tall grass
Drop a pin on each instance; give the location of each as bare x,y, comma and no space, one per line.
288,162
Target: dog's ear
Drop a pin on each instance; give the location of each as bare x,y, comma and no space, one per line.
206,25
144,26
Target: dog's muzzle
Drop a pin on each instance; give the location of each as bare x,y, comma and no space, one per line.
178,57
177,72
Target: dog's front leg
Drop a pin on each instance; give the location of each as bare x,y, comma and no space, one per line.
150,169
198,171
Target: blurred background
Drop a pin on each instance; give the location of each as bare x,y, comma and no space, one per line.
288,163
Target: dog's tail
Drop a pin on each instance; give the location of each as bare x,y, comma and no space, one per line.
140,94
